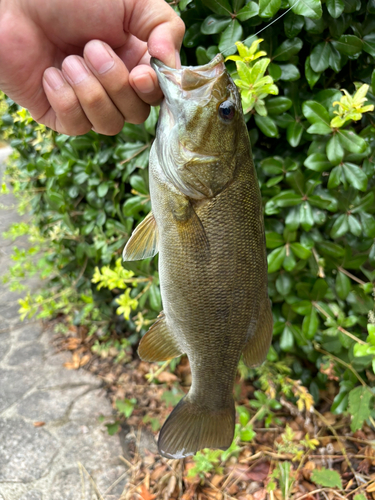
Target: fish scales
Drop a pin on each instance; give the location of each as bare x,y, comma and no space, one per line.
207,212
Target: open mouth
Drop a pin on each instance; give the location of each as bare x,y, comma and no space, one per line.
197,78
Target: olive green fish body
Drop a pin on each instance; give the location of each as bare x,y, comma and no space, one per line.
212,264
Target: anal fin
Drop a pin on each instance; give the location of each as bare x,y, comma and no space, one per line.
143,243
159,344
257,346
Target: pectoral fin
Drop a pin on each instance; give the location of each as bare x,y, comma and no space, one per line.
258,344
190,227
159,344
143,243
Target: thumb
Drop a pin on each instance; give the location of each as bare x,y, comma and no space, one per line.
156,23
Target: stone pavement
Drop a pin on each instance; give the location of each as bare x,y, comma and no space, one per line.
42,462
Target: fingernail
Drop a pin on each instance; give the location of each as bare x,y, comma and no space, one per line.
99,56
54,78
178,60
75,70
144,83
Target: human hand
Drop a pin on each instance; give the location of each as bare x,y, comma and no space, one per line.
103,49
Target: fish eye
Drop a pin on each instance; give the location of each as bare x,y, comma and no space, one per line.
227,111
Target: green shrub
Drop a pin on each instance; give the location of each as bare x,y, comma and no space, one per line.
313,147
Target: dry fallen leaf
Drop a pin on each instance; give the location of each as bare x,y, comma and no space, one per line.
145,494
260,494
167,377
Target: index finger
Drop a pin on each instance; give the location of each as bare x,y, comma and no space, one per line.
157,24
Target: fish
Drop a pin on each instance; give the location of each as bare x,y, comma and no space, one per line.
207,225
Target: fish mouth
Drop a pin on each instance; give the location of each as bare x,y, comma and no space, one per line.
188,81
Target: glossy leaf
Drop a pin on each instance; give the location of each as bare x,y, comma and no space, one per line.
287,49
319,57
335,8
308,8
268,8
214,24
355,176
266,125
250,10
334,150
230,35
349,45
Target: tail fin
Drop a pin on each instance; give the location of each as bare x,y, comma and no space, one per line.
191,427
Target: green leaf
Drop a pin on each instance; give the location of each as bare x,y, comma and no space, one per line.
369,44
275,259
311,76
103,189
287,199
317,162
368,224
310,324
214,24
155,297
315,113
268,8
266,125
335,8
293,24
300,251
348,45
308,8
359,406
278,105
275,71
287,49
326,477
289,72
221,7
331,249
319,57
340,227
334,150
284,284
294,133
287,340
306,218
354,226
137,182
232,34
352,142
251,9
334,177
112,428
319,128
126,406
193,36
355,176
274,240
360,496
343,285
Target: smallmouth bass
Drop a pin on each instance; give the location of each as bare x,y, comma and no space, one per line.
207,225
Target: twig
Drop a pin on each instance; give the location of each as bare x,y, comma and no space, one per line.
139,151
340,328
92,481
325,421
350,275
340,361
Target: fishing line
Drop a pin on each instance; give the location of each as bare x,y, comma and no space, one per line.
265,27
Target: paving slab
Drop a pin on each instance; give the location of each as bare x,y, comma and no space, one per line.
52,444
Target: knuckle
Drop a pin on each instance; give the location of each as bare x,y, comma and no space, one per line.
111,128
139,117
179,27
93,99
